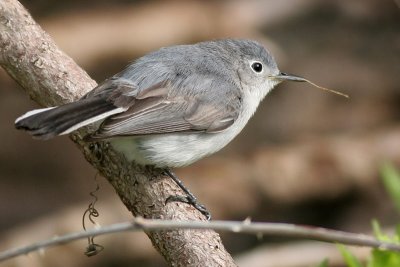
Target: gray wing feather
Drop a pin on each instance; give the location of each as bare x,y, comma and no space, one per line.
155,111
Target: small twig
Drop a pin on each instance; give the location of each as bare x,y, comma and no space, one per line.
275,229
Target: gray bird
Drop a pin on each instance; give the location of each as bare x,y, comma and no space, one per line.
170,107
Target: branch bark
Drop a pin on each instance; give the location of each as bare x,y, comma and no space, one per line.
50,77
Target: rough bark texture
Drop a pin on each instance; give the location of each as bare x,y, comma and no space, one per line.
50,77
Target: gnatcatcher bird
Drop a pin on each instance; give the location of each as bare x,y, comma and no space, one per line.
170,107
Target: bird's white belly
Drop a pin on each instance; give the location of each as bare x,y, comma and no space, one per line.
177,149
171,150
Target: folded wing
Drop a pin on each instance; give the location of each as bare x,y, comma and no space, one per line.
157,111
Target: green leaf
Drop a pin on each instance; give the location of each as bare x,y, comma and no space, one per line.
384,237
391,181
384,258
398,232
349,258
324,263
377,230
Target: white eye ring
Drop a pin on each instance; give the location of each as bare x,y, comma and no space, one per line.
257,67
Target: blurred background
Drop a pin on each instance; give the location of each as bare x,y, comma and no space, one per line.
307,156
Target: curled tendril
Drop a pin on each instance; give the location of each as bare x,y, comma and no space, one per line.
91,212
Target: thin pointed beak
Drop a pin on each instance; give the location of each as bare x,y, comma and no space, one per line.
288,77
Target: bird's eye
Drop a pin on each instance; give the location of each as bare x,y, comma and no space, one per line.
257,67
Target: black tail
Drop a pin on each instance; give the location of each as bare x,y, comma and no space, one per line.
47,123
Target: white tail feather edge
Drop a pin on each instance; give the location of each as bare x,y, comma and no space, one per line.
93,119
32,112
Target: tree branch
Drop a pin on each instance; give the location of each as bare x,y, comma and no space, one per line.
276,229
50,77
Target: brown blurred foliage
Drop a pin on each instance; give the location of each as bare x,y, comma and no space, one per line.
306,157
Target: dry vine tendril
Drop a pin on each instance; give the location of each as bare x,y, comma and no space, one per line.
92,249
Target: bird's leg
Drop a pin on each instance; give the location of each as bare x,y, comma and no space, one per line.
189,198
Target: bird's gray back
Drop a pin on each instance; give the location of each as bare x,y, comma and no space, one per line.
186,66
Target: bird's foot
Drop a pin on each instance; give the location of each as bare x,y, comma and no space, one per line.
189,198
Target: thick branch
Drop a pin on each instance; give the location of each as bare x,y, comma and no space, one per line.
50,77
